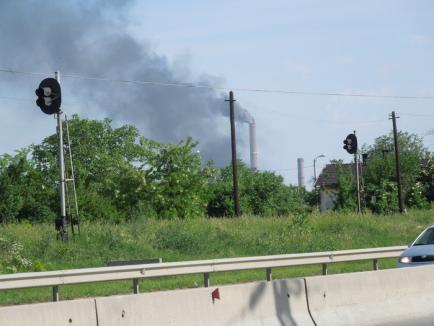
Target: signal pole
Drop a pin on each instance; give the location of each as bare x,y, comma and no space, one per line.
357,161
234,155
397,162
352,148
61,222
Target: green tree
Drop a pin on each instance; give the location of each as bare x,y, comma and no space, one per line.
175,181
10,200
425,180
119,175
380,171
261,193
24,190
103,158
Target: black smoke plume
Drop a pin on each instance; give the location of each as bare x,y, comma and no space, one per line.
91,38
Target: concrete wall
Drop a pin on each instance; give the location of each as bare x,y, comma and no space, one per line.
389,297
65,313
281,302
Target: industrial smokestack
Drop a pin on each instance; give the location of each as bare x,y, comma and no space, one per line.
244,116
253,146
300,165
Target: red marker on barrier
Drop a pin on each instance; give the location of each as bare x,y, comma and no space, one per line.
215,294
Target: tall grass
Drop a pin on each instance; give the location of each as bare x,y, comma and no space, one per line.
179,240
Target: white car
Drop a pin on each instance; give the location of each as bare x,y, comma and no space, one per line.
421,251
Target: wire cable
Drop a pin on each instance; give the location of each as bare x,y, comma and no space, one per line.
289,116
203,86
23,72
417,115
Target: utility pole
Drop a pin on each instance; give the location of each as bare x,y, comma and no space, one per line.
61,224
397,163
234,155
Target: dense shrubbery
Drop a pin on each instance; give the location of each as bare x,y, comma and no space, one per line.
379,188
261,193
11,257
122,176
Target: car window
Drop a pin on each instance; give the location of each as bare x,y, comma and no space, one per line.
426,238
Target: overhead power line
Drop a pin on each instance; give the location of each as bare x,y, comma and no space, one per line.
19,72
417,115
205,86
290,116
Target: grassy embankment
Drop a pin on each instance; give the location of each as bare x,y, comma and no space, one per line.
205,239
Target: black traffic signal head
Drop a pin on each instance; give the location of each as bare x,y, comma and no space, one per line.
49,96
351,144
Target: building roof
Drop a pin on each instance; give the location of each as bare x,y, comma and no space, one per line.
328,176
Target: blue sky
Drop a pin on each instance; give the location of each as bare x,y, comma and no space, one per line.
370,47
374,47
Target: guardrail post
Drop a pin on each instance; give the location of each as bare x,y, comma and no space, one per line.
56,293
269,274
206,280
136,289
375,264
324,269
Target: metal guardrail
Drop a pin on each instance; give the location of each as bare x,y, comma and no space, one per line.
135,272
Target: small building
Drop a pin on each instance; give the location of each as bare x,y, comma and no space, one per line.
328,186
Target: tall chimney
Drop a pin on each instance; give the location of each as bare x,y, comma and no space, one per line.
253,146
300,166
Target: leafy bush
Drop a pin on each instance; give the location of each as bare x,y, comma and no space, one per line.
383,198
121,176
346,198
11,258
261,193
417,172
379,188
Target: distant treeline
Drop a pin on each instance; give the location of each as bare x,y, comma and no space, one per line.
120,175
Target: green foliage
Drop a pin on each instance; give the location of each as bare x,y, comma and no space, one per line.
24,191
121,176
346,198
103,159
378,180
383,197
261,193
425,180
174,178
416,173
11,256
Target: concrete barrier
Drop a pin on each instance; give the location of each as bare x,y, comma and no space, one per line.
281,302
389,297
65,313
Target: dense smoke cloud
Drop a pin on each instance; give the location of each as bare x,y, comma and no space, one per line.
90,38
244,116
